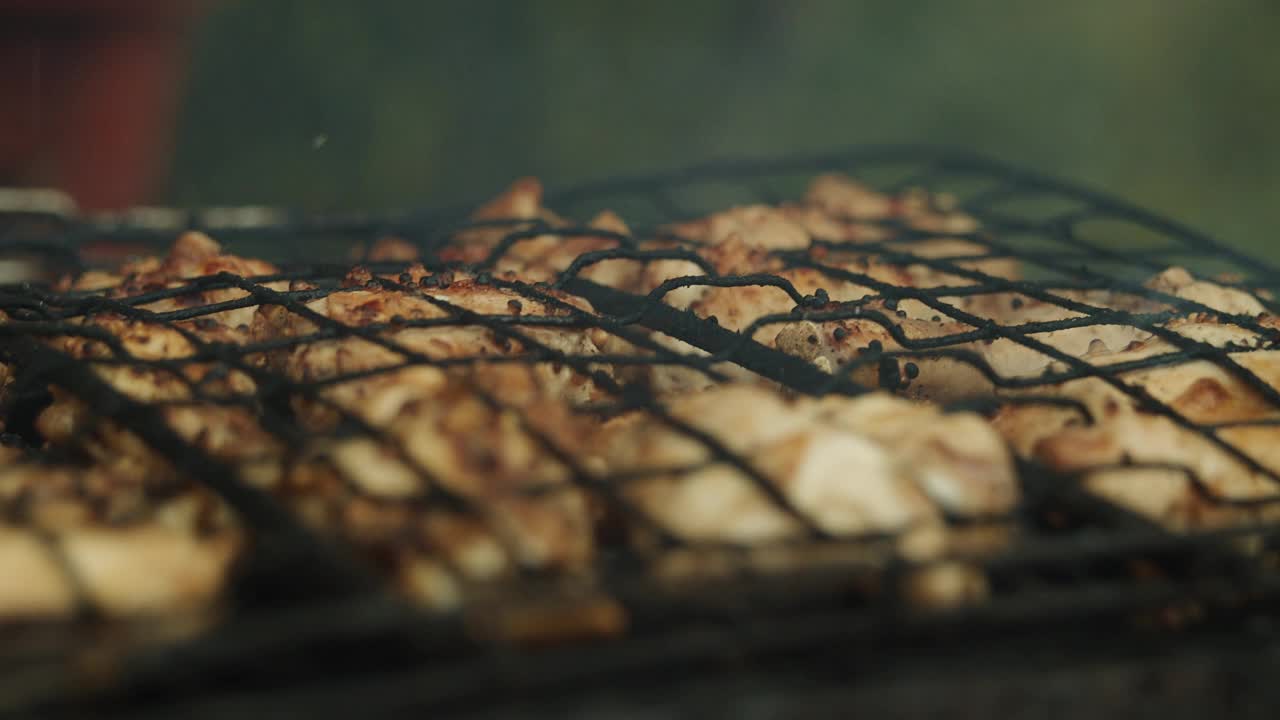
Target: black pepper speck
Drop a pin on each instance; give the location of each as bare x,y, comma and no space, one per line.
912,370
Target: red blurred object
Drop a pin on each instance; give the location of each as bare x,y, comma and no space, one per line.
89,89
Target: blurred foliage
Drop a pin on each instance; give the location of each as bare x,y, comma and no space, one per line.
342,104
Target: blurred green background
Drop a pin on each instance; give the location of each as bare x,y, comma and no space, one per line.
339,104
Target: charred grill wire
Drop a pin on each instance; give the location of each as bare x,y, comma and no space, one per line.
534,302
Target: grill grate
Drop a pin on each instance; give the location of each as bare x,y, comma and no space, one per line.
304,607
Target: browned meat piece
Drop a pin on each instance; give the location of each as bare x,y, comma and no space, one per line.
127,547
806,448
389,315
935,375
746,251
747,240
850,466
430,429
853,346
742,241
60,497
844,197
1178,282
129,570
957,460
737,308
208,404
430,436
193,255
847,209
1200,391
541,257
228,431
1163,491
833,345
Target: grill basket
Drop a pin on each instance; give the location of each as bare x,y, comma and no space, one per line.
1092,605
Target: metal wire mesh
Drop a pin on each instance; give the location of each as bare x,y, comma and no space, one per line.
1066,552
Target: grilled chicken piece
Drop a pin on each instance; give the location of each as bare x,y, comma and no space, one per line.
1205,392
209,404
1201,391
780,242
144,568
1178,282
739,307
1115,342
842,341
805,448
844,214
856,347
543,257
57,497
73,535
1150,465
757,238
836,344
427,431
379,339
847,212
956,459
835,208
748,251
193,255
492,438
844,197
221,421
848,466
950,366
